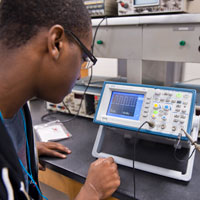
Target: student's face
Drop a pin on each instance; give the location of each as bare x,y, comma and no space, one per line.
71,64
61,79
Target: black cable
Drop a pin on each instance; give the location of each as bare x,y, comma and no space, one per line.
175,151
134,179
183,160
43,118
134,150
66,107
95,33
68,120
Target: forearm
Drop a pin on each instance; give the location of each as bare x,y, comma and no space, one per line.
87,192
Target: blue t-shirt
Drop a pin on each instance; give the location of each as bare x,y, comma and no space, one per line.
16,131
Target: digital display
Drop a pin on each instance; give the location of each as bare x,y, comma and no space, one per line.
146,2
125,105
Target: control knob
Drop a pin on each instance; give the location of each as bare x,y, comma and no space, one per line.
174,4
149,9
124,5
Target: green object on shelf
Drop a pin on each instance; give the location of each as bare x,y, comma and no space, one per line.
182,43
99,42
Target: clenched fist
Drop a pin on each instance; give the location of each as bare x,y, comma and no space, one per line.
102,180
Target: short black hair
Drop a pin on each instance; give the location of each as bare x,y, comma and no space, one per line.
20,20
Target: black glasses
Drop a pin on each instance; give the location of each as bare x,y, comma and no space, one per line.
88,58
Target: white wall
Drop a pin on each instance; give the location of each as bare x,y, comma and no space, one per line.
192,71
105,67
108,67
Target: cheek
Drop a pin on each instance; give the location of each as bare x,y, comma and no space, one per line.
75,69
73,73
55,82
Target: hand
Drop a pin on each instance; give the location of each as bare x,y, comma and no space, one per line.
52,149
103,178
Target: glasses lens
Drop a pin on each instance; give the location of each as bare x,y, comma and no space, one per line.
87,65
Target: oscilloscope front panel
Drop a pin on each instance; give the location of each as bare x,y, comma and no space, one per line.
128,106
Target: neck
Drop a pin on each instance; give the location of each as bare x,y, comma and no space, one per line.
15,84
9,105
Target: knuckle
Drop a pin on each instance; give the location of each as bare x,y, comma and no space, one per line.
118,183
111,159
112,170
115,166
92,164
116,176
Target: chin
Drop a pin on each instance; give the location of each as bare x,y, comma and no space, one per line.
59,99
55,99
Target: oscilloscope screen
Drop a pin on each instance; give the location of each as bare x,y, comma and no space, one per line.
145,2
125,105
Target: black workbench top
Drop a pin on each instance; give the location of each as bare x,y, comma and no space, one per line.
148,186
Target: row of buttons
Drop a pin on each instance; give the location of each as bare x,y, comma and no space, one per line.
165,114
168,100
167,93
181,116
96,12
168,107
94,7
158,92
179,110
173,128
163,126
165,107
163,117
161,112
181,121
147,106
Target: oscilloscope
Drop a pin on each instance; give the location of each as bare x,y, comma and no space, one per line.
136,7
168,111
127,106
97,8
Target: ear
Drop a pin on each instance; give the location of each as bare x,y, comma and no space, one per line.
55,41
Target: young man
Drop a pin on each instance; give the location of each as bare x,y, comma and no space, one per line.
42,46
